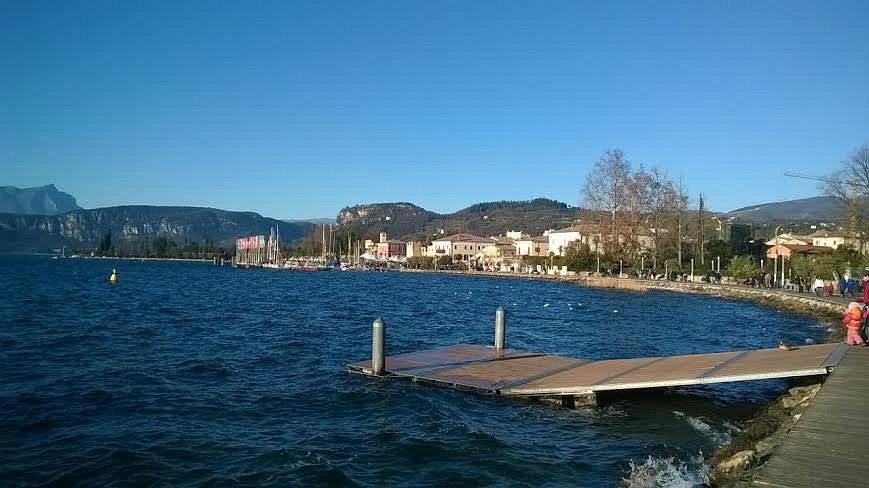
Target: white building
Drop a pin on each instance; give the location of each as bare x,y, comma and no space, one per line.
559,239
831,239
532,246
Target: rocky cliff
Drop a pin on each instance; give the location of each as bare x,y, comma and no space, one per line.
39,200
85,228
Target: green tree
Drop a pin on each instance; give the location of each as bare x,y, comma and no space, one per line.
722,249
579,257
742,268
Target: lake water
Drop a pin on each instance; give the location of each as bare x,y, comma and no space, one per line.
188,374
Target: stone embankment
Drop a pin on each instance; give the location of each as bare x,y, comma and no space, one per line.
735,464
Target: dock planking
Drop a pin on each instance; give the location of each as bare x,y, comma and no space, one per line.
518,373
827,446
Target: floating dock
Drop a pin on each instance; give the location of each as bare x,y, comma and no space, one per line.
517,373
496,370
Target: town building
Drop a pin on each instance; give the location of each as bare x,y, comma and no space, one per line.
830,239
390,248
461,247
415,249
790,239
788,250
532,246
495,257
560,239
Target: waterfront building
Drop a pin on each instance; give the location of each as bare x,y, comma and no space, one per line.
532,246
461,247
642,239
788,250
495,257
415,249
388,248
560,239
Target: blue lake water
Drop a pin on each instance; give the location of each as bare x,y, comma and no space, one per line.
188,374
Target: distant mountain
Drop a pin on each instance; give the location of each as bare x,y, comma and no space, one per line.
824,209
85,228
403,220
39,200
317,220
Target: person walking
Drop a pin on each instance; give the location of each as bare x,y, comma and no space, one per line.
842,285
818,286
850,285
866,287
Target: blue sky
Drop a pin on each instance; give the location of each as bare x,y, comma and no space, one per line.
296,109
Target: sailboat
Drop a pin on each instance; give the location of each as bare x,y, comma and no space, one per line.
324,266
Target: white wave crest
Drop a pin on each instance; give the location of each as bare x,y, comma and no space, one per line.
668,472
702,425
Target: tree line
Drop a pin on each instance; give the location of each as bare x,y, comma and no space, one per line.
625,201
158,247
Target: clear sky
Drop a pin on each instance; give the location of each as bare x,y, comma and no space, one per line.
295,109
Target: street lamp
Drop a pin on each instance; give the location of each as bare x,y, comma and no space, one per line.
720,228
775,263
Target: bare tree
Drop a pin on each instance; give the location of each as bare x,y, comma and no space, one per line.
850,185
680,207
604,191
662,203
639,206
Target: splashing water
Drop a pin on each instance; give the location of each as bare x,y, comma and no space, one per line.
669,472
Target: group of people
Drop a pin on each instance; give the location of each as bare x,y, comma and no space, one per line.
844,286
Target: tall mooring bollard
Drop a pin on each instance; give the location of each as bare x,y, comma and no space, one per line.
378,345
500,319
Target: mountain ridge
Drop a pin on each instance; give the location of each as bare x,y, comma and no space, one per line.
36,200
818,208
130,223
405,220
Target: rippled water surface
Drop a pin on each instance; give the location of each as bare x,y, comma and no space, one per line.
185,373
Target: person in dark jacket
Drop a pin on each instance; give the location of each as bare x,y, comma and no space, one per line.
866,287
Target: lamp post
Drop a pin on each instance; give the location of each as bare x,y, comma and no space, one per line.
775,267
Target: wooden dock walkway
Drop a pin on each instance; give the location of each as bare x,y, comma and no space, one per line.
828,445
523,374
